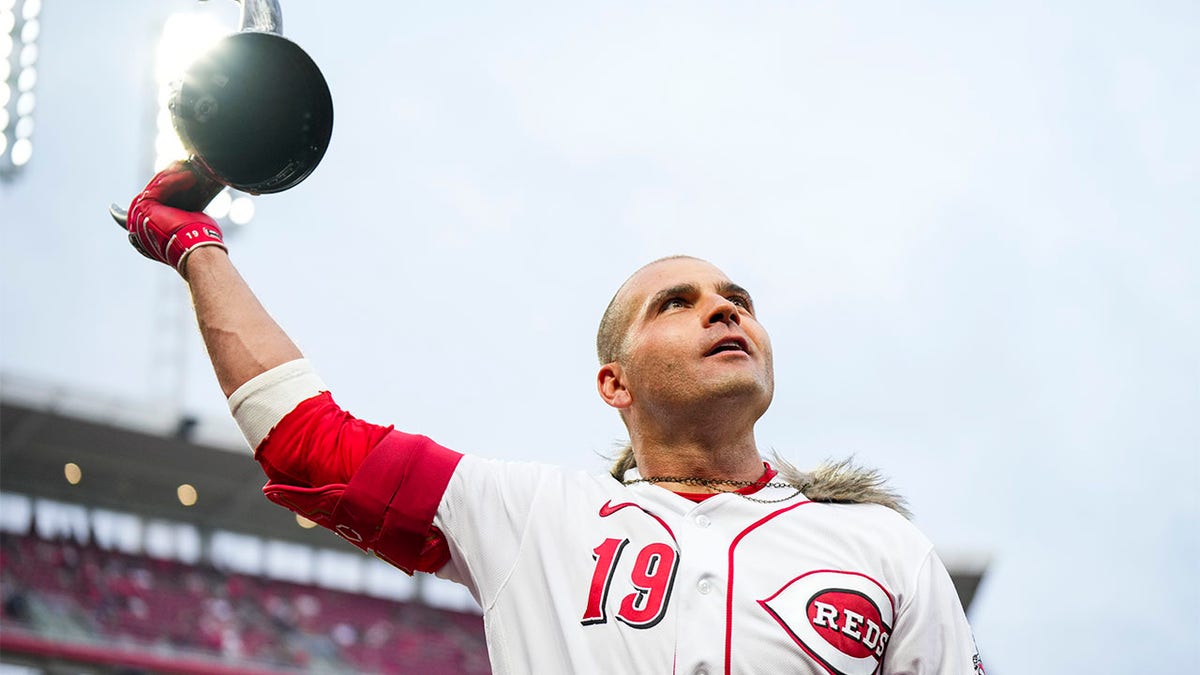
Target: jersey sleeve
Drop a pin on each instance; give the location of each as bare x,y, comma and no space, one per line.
931,635
486,513
375,487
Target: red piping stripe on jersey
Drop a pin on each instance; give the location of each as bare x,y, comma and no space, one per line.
729,589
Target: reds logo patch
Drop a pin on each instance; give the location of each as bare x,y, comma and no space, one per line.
842,619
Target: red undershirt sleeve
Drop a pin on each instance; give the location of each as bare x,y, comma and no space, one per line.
317,443
375,487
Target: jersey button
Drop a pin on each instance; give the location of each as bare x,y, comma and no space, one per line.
700,670
705,586
703,521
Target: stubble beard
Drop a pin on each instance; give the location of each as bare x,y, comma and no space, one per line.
709,399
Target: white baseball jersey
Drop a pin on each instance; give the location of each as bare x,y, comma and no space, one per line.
579,573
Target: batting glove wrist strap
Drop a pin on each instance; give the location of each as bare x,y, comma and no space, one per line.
165,233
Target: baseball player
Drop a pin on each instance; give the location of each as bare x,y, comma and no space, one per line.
694,555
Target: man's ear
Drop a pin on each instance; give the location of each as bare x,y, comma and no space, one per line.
610,382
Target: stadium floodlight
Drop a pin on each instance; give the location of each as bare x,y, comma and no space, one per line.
241,211
219,207
185,37
20,28
186,494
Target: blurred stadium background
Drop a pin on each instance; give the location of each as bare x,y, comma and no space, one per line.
125,549
973,225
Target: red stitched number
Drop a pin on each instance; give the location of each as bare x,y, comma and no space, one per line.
605,555
652,578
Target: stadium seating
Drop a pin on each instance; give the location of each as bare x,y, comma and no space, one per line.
72,594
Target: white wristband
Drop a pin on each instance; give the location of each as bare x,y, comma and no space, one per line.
260,403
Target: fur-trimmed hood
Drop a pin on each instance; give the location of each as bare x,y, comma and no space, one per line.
842,482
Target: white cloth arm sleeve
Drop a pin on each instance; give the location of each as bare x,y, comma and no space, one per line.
260,403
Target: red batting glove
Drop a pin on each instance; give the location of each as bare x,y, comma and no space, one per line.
165,233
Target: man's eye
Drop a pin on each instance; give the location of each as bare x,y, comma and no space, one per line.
674,303
741,301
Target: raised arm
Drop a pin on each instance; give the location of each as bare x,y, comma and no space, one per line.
242,339
310,449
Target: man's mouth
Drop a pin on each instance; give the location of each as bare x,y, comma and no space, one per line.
731,344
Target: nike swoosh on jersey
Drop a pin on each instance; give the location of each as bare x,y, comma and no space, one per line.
608,508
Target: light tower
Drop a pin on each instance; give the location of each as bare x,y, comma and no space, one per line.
20,28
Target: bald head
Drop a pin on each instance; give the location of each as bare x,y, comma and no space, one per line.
614,325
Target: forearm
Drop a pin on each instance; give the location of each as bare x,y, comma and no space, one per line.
242,339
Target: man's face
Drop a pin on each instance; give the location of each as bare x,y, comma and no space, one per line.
693,336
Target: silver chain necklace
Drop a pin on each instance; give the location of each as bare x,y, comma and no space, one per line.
714,482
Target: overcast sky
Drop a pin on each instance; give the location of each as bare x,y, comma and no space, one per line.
970,228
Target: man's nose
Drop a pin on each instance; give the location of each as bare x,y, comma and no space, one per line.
723,311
